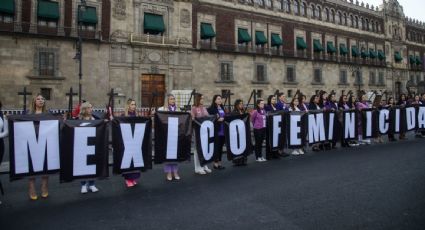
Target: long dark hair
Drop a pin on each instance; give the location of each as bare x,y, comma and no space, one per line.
400,98
213,104
312,99
269,99
341,101
321,101
292,105
259,100
236,104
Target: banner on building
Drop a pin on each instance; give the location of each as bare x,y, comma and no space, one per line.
173,136
132,144
84,150
237,132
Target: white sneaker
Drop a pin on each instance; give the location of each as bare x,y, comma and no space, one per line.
201,172
300,151
295,153
259,160
263,159
83,189
93,188
206,169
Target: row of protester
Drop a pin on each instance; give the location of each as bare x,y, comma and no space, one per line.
317,123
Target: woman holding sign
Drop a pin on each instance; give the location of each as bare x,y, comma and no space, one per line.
294,107
131,177
258,119
171,169
238,109
38,106
217,109
86,110
198,110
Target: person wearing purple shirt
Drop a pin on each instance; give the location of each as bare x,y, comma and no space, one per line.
271,104
171,169
258,119
303,105
281,104
331,105
217,109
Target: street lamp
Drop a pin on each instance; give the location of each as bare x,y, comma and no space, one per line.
392,76
79,54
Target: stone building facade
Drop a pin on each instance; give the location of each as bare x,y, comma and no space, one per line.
142,48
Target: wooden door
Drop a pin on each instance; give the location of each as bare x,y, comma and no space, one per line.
152,84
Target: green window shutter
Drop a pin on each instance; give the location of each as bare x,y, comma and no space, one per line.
260,39
317,46
372,54
330,47
398,57
243,36
381,55
301,45
48,10
7,6
418,60
354,51
207,31
276,40
153,23
412,59
343,49
89,15
364,54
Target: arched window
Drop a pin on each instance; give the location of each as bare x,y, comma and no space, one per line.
303,9
327,14
313,11
373,25
362,23
339,18
367,25
345,19
378,27
333,15
319,12
296,7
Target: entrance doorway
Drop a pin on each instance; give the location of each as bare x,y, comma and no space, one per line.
152,84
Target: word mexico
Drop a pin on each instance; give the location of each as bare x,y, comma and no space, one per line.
44,144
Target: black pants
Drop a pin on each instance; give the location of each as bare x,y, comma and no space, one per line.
218,148
260,135
1,150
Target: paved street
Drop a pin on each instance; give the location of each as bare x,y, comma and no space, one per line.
368,187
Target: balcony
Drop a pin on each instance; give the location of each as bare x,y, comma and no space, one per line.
154,40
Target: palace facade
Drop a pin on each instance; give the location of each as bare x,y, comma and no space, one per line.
145,47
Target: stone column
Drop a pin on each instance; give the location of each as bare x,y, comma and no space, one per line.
33,23
74,19
137,18
18,16
61,29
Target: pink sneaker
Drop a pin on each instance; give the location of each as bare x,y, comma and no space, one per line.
134,182
129,183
